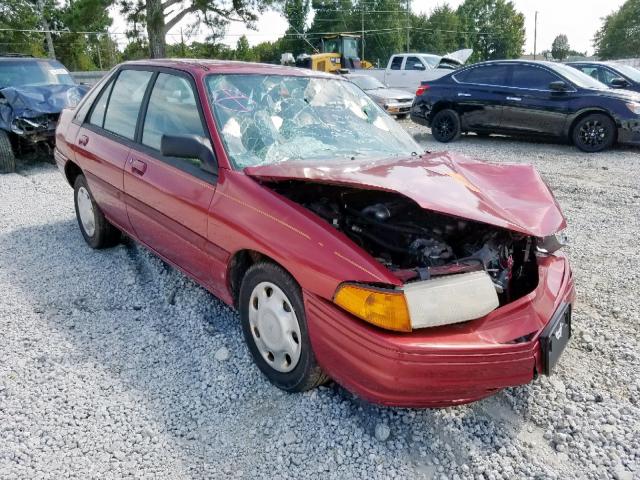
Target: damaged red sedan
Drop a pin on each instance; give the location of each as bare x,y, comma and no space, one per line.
410,278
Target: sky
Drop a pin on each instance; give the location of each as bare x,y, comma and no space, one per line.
578,19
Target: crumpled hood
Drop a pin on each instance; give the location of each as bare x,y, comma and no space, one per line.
33,101
511,196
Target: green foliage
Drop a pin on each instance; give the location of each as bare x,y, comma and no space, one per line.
437,32
560,48
493,28
618,37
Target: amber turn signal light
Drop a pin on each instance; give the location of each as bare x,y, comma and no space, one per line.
384,308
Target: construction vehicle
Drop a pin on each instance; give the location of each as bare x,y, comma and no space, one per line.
337,53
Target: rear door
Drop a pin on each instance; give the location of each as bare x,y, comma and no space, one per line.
530,106
479,96
168,198
393,73
103,141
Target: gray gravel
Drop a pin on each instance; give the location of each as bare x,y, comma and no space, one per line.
112,364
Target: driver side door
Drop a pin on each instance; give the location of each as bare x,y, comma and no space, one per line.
168,198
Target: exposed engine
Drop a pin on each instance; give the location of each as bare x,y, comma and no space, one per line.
418,244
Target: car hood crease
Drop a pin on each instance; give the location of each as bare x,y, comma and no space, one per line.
511,196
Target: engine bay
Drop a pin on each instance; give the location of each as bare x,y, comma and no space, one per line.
418,244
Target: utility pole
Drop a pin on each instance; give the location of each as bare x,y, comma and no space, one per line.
47,32
535,37
408,8
362,27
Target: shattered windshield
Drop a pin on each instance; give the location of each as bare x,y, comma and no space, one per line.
21,73
265,119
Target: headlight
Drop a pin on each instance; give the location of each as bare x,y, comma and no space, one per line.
73,98
634,107
552,243
383,308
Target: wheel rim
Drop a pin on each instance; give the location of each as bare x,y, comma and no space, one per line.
593,133
85,210
274,327
444,127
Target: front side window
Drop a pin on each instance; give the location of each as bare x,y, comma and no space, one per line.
124,102
532,78
607,76
484,75
396,63
413,63
266,119
172,110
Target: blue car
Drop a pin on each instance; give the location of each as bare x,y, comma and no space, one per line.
33,92
517,97
614,75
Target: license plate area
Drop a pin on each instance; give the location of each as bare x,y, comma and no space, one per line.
555,337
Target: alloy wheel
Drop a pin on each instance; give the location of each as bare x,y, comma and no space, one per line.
593,133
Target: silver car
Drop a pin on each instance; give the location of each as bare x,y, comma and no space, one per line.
395,102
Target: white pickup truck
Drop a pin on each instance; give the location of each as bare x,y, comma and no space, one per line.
405,71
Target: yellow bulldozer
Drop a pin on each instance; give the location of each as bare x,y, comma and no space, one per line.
337,52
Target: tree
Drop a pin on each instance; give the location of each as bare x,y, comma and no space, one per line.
160,16
243,50
493,28
618,37
296,13
560,48
436,33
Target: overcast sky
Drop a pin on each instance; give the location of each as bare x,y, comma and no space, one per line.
578,19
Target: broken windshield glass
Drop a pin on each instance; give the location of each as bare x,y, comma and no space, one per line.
265,119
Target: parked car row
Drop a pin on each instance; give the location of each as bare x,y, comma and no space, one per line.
530,98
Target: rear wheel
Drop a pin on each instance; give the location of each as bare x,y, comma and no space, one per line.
445,126
275,328
594,133
7,157
95,228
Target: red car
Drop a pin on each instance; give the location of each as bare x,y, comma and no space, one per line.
410,278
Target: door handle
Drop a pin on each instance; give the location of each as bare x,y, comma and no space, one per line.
514,99
464,94
138,166
83,140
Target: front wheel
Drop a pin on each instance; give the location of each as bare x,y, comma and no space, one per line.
95,228
594,133
7,158
275,328
445,126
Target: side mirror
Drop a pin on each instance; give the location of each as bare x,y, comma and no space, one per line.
418,66
618,83
190,146
558,86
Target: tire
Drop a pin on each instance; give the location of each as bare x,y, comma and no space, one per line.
594,133
445,126
279,331
95,228
7,157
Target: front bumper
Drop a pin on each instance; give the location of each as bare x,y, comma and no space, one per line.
397,108
441,366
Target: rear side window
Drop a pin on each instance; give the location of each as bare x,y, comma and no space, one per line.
100,106
484,75
396,63
413,63
124,103
172,110
532,78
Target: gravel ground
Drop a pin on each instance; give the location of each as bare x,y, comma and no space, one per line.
113,364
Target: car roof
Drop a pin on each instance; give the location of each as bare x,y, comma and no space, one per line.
206,66
591,62
517,62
